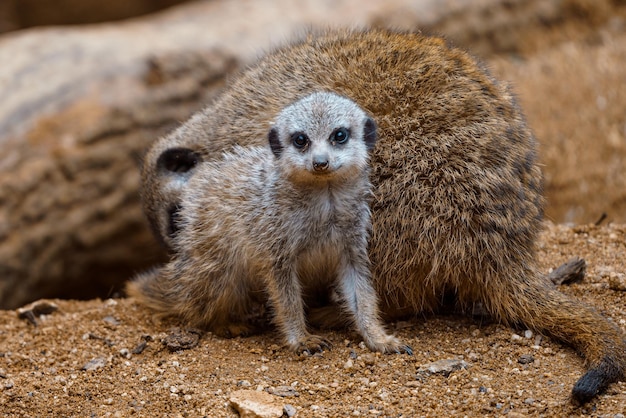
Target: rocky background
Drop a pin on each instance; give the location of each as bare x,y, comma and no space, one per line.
79,104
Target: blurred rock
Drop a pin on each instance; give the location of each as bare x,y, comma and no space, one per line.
19,14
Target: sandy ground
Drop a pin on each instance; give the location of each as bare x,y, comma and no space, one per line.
112,358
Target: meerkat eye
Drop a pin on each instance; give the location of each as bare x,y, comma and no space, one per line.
299,140
340,136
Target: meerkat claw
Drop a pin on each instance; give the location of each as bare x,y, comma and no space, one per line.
313,344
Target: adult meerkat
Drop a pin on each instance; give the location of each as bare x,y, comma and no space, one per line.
291,220
458,193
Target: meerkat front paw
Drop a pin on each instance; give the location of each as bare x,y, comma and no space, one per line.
311,344
390,345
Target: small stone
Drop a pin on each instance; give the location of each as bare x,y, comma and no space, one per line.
95,364
9,384
284,391
516,338
525,359
348,364
255,404
142,345
444,367
36,309
572,271
111,320
528,334
289,410
244,384
529,401
181,339
368,358
617,282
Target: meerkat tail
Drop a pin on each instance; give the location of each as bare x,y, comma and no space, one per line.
547,310
148,288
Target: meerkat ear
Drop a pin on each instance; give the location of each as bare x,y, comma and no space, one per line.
369,133
178,160
275,144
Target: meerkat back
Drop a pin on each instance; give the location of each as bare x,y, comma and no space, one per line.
458,192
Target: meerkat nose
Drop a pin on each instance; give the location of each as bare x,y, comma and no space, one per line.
320,164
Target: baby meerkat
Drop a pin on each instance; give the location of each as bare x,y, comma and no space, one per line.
458,200
287,219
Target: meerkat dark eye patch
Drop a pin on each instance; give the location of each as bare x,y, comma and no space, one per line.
178,160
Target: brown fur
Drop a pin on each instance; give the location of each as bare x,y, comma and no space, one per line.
458,193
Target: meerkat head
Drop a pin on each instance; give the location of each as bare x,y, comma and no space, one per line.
322,136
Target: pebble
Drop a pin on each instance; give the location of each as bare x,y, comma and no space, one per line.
284,391
36,309
289,410
525,359
528,334
111,320
348,364
368,358
444,367
95,364
256,404
617,282
181,339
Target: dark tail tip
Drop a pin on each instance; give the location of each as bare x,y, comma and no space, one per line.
596,380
